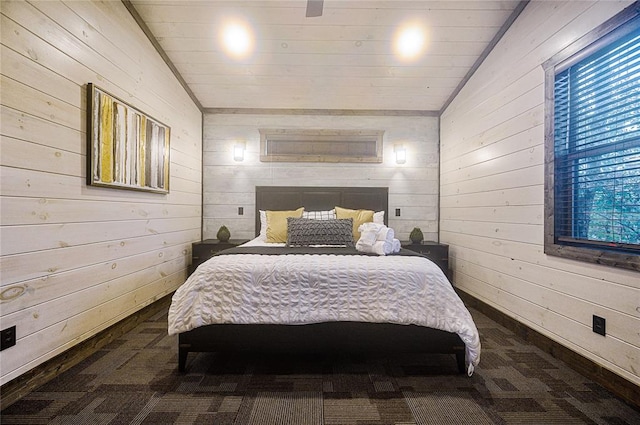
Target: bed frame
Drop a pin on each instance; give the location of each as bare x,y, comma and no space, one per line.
330,337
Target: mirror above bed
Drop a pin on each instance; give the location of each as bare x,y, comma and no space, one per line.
303,145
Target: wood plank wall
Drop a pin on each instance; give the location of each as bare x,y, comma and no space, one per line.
492,170
76,259
413,187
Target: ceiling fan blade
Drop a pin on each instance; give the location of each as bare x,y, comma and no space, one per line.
314,8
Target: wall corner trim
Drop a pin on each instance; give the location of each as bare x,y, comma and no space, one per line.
503,29
143,26
324,112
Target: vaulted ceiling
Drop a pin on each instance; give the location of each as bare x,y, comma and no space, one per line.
344,59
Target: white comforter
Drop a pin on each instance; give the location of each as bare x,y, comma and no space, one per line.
303,289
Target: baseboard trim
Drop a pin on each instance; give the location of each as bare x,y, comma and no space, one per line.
616,384
17,388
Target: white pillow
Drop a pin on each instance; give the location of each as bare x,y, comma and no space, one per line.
378,217
263,226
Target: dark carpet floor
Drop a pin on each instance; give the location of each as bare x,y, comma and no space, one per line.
134,380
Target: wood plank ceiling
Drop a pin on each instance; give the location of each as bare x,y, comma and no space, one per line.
342,60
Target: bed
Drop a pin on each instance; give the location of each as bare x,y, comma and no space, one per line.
321,299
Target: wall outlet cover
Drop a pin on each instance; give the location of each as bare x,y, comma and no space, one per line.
7,338
599,325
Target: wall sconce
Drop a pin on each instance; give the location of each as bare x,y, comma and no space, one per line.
401,154
238,151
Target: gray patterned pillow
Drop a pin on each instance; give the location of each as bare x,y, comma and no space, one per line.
305,232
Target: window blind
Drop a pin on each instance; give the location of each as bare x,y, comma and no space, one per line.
597,147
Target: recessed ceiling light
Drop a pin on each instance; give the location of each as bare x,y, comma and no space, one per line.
237,39
410,41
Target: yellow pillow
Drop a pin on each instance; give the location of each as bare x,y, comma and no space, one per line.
277,224
359,217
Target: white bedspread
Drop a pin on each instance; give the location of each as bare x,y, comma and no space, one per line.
303,289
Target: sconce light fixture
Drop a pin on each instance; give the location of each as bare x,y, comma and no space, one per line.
238,151
401,154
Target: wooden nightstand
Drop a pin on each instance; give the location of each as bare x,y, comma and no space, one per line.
434,251
202,251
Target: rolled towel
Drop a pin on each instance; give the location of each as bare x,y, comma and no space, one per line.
396,245
386,234
382,248
379,247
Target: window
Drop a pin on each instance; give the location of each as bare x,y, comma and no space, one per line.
592,142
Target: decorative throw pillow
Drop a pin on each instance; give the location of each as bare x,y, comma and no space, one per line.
277,224
320,215
359,217
305,232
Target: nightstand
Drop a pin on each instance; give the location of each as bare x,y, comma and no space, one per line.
202,251
434,251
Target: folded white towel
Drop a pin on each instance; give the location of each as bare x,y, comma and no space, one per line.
377,238
371,226
362,246
367,236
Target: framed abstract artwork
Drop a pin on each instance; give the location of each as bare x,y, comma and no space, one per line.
127,149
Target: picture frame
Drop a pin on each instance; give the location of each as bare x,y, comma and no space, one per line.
127,149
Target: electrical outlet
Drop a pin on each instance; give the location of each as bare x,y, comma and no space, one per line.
397,212
599,325
240,211
7,338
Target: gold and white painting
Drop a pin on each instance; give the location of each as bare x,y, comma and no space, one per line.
127,148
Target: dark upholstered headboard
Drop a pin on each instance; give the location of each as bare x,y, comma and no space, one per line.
320,198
